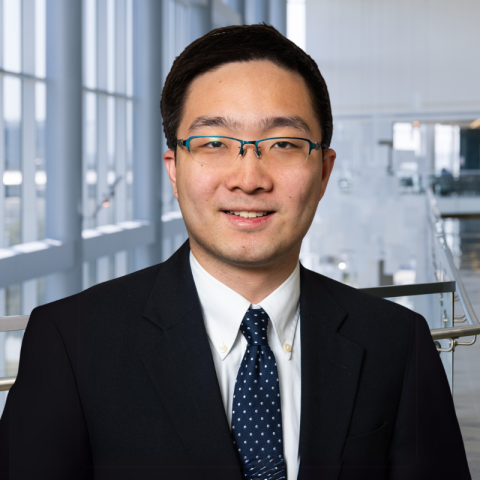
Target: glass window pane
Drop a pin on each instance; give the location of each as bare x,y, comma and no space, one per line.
12,176
129,33
90,43
129,175
111,45
90,159
40,38
11,35
40,172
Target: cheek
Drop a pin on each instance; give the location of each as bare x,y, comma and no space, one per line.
196,185
301,191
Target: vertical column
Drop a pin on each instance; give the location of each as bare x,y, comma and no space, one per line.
3,395
200,19
147,125
64,139
256,11
28,215
102,127
277,15
2,167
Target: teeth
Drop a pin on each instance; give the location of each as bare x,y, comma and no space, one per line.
246,214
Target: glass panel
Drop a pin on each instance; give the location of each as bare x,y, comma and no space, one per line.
111,45
40,38
111,171
129,174
12,176
129,46
40,167
90,159
90,43
12,35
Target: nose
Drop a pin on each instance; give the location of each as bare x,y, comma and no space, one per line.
243,150
249,173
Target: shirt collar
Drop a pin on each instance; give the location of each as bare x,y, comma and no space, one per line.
223,309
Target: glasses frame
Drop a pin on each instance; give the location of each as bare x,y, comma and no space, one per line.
313,145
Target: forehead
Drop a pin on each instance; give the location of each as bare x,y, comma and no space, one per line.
248,92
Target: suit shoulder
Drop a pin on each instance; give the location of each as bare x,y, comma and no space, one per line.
356,299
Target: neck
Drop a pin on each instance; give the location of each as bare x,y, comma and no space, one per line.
252,283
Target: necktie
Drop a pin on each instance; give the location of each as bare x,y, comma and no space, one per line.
256,412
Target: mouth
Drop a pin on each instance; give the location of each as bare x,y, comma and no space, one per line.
247,214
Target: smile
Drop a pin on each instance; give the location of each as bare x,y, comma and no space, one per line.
245,214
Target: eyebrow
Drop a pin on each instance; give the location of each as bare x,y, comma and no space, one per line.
270,123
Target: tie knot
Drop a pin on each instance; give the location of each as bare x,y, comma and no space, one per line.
254,326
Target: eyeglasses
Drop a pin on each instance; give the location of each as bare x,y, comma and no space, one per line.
222,151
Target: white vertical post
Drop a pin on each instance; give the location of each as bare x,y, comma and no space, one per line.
29,197
277,15
120,201
64,138
148,131
200,19
2,196
102,127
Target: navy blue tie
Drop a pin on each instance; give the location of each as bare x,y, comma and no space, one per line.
256,412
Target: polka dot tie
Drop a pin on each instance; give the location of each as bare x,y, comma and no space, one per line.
256,412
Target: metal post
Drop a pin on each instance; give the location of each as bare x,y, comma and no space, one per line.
148,131
277,15
200,19
29,197
64,139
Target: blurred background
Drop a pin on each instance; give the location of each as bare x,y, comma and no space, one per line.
83,193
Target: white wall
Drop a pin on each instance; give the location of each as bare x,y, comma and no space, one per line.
397,56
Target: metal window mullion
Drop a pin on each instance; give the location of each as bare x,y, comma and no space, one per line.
29,220
102,156
64,140
29,194
28,37
2,187
2,163
120,203
1,49
120,46
147,123
102,65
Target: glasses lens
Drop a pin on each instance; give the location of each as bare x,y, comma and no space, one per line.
284,152
214,150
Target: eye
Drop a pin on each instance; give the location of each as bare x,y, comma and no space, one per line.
214,144
284,145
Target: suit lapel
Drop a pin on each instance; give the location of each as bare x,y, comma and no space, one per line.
180,364
330,368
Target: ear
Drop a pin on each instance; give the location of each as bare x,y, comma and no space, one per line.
329,157
170,165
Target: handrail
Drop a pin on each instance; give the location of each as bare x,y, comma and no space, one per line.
6,383
440,234
391,291
10,324
20,322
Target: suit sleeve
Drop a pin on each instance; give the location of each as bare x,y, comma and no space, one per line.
43,433
427,443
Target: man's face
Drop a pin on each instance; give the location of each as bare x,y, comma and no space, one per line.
242,100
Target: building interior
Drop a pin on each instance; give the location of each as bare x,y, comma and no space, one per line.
84,196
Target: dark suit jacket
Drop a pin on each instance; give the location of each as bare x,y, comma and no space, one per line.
118,382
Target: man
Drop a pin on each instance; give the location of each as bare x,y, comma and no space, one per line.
230,360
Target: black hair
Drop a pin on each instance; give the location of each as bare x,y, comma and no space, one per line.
240,43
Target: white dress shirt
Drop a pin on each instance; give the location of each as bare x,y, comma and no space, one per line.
223,311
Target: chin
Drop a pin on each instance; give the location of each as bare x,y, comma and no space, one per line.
247,255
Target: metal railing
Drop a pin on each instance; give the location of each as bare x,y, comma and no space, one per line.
447,281
445,268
